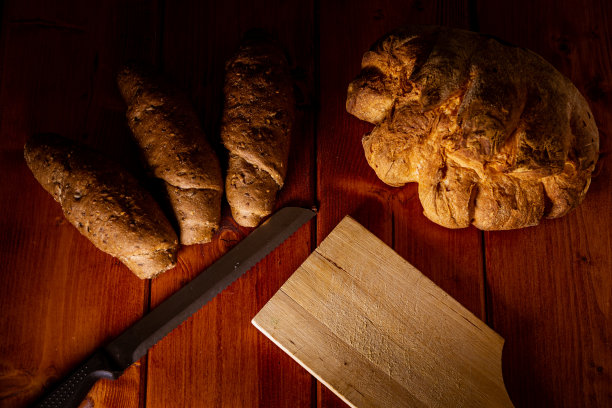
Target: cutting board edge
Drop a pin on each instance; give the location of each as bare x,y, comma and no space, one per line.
269,336
459,309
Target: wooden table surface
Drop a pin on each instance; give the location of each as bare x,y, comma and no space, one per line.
547,289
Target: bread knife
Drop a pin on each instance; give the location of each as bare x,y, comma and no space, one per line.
110,361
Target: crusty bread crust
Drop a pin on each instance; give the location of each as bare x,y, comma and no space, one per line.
105,203
493,134
258,116
170,136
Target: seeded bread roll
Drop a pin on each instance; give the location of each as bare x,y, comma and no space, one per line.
174,145
256,128
105,203
494,135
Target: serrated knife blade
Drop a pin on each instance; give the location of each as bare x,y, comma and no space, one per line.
111,360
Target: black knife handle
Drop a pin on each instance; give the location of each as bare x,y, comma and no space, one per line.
72,390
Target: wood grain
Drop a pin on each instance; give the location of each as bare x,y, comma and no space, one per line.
347,185
60,293
548,288
218,358
379,333
553,302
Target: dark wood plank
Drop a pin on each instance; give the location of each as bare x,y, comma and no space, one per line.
347,185
550,287
61,297
218,358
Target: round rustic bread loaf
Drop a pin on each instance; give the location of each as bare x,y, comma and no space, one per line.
494,135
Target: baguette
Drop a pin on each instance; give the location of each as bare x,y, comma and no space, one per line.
105,203
174,145
256,128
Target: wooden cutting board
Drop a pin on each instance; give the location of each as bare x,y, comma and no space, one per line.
378,333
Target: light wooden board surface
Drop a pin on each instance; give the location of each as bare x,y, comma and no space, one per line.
379,333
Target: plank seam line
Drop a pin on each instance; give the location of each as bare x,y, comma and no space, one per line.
315,389
157,58
4,34
485,297
474,25
473,15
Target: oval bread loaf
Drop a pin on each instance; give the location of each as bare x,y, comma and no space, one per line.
256,127
105,203
168,131
494,135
